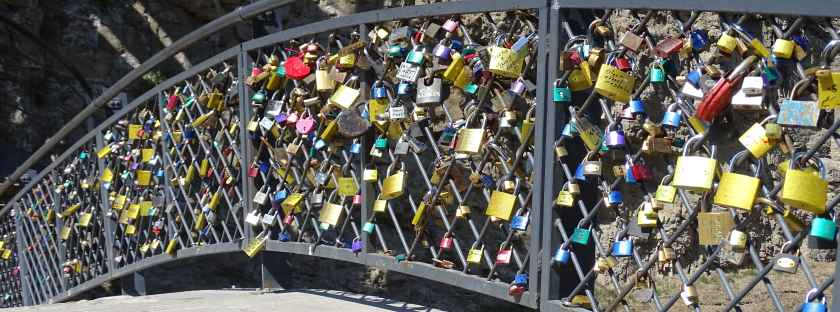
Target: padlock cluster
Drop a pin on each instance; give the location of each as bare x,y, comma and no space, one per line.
10,286
434,117
645,109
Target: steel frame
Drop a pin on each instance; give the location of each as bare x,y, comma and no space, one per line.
545,282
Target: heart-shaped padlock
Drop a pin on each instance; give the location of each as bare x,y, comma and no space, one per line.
305,125
296,69
351,124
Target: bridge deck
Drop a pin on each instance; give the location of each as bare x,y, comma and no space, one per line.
237,300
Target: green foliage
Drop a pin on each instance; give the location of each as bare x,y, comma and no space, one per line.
153,78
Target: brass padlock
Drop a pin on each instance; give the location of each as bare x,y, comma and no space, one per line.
694,173
394,184
805,190
347,94
737,190
501,205
565,198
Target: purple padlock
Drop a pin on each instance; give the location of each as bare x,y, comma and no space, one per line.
356,246
517,87
134,165
442,51
615,139
280,118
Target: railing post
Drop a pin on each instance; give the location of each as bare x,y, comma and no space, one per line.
246,151
23,264
535,248
549,280
366,189
134,284
108,223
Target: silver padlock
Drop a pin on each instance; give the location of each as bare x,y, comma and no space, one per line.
429,92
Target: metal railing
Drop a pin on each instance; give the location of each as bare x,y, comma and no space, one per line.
203,163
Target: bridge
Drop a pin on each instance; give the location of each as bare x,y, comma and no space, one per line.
557,155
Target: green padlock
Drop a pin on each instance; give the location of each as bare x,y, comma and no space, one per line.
395,50
657,74
823,228
561,94
381,143
368,228
416,56
258,98
580,236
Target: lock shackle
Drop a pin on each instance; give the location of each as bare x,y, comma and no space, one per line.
391,167
352,81
814,292
695,140
740,31
796,87
829,53
574,40
739,158
768,119
795,161
742,68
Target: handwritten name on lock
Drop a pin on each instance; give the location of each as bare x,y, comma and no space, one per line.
713,227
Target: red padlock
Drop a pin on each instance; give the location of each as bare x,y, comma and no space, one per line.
172,102
623,64
357,199
288,219
718,98
516,290
503,257
669,46
641,173
296,69
575,57
253,171
256,71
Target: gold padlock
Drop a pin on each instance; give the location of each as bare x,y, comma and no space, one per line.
501,205
475,255
804,190
783,48
505,62
666,193
565,198
727,43
756,141
394,184
323,82
346,95
470,140
694,173
380,206
614,84
331,213
737,190
455,66
580,79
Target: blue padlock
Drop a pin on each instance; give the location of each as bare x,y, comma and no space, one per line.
562,256
614,198
519,223
487,181
672,119
319,144
579,173
159,173
569,130
811,306
264,167
355,148
520,279
378,92
637,107
694,77
404,89
284,237
628,175
280,195
622,248
699,40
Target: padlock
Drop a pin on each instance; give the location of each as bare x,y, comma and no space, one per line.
689,295
501,205
580,235
755,140
823,228
614,198
323,82
614,84
751,95
615,137
429,92
737,239
346,95
561,93
519,223
565,198
394,184
783,48
672,117
442,51
505,62
623,248
561,256
804,190
737,190
471,140
727,43
631,41
694,173
720,95
580,78
811,306
668,46
503,255
475,255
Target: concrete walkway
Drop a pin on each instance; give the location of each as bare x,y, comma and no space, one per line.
236,300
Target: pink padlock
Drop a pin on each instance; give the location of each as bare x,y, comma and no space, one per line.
450,25
292,118
305,125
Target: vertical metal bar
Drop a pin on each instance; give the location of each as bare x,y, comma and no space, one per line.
543,107
549,281
134,284
246,150
835,301
60,251
107,222
22,263
365,188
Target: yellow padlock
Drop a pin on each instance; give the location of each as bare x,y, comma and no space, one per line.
470,140
727,43
737,190
455,66
756,141
804,190
501,205
564,197
580,79
694,173
504,62
323,82
394,184
666,193
827,89
783,48
346,95
331,213
614,84
475,255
